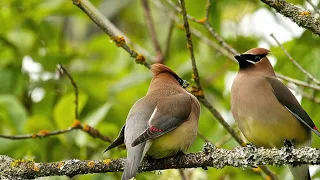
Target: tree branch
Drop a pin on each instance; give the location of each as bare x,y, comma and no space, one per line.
99,19
243,157
168,39
300,16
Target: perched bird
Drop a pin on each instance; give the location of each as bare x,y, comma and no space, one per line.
163,123
265,110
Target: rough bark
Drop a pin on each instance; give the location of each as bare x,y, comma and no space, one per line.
300,16
211,156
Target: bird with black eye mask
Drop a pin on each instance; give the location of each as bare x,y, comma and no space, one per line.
265,110
163,123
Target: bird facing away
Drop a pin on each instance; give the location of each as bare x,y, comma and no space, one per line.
265,110
161,124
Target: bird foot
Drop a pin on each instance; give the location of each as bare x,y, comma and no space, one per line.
157,172
149,158
289,143
251,146
180,153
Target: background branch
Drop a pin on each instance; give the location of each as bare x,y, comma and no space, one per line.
152,31
309,75
95,15
316,9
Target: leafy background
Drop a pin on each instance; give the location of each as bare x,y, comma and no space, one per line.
37,35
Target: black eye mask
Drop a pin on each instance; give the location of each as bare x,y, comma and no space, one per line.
182,82
253,57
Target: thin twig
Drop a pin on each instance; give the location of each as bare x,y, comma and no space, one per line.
75,125
40,134
195,76
299,83
152,31
208,6
194,31
204,137
223,140
168,39
295,62
96,16
316,9
76,91
207,26
308,96
218,116
220,39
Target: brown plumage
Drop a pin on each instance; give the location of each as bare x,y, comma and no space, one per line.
265,110
161,124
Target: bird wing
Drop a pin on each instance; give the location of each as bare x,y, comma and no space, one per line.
169,113
118,141
287,99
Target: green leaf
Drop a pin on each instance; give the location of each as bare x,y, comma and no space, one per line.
12,114
50,60
93,119
36,123
23,35
97,115
64,110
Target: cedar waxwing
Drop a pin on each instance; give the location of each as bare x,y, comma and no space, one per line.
265,110
163,123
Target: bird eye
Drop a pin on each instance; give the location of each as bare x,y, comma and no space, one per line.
257,58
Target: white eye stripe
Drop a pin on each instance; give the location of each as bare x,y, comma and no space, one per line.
252,62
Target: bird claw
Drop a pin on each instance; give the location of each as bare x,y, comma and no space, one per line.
289,143
157,172
204,168
180,153
250,145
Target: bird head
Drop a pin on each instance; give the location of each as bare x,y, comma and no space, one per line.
251,57
160,68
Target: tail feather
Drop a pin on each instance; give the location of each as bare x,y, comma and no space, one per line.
134,157
300,172
117,142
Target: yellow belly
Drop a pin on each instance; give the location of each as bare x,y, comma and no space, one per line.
177,140
268,134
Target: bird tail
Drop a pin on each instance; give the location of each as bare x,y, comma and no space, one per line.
300,172
134,158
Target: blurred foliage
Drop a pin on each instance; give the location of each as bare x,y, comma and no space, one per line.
37,35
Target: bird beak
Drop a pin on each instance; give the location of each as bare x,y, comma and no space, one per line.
185,84
239,57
